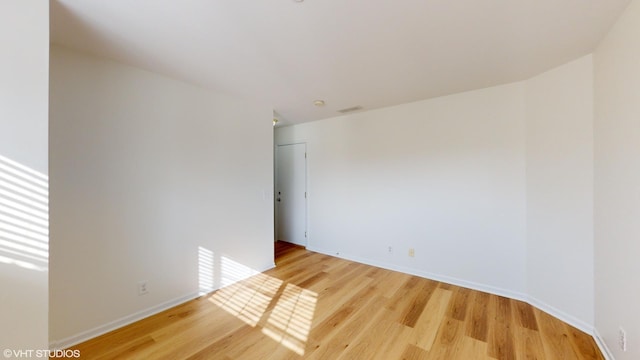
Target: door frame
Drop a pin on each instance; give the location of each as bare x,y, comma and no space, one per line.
306,189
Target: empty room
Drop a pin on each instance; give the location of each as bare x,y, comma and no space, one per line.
306,179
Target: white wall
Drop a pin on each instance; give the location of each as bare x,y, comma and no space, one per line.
493,188
445,176
617,184
24,71
560,191
147,175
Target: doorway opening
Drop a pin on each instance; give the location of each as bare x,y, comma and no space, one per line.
291,194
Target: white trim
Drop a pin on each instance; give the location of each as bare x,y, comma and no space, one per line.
569,319
116,324
129,319
604,349
437,277
561,315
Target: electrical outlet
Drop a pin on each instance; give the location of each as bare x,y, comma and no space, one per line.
412,252
142,288
390,250
622,339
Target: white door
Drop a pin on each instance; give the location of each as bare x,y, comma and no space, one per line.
291,193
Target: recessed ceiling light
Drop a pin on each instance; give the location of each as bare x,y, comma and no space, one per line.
318,103
298,0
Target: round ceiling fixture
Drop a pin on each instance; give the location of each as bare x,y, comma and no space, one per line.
318,103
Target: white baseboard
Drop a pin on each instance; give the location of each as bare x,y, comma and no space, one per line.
567,318
116,324
137,316
437,277
604,349
559,314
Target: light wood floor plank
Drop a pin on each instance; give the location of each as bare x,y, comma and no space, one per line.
335,344
448,341
459,303
528,344
314,306
384,335
429,323
477,323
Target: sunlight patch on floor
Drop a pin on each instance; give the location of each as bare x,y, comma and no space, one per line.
248,299
285,311
290,322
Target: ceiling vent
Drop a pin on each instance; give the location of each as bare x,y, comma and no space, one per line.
351,109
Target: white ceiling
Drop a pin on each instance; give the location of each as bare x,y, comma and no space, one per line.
372,53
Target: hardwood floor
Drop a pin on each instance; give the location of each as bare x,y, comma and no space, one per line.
315,306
